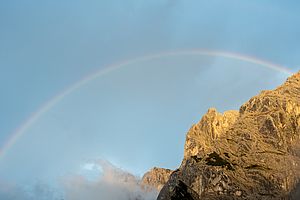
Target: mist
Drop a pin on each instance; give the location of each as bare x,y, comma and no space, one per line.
112,184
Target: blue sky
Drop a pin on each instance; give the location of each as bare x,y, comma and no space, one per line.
46,46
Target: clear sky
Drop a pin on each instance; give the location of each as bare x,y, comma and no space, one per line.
135,117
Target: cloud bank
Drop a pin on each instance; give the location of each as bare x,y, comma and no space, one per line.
113,184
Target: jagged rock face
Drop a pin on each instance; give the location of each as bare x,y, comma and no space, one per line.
156,178
202,136
176,189
250,154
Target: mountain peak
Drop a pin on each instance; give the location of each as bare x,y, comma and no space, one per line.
156,178
202,136
253,153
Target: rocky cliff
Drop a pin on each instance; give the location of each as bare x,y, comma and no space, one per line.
253,153
156,178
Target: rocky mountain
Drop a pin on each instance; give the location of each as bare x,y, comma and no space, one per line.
253,153
156,178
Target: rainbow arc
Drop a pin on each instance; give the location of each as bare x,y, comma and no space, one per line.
17,134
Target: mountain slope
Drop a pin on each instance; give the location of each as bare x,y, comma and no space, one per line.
253,153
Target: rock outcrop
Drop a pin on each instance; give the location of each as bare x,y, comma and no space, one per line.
156,178
202,136
253,153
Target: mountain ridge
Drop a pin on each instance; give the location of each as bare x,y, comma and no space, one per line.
253,153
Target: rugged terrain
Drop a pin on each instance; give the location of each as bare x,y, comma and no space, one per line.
253,153
156,178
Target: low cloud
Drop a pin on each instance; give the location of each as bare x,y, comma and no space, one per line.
112,184
39,191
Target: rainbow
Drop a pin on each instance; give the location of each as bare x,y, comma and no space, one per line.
17,134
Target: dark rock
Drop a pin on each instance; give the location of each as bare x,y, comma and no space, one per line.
177,190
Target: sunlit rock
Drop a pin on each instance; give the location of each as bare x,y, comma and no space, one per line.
253,153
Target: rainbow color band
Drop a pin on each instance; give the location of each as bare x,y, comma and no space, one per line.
17,134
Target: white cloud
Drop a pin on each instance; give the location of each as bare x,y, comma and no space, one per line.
113,184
